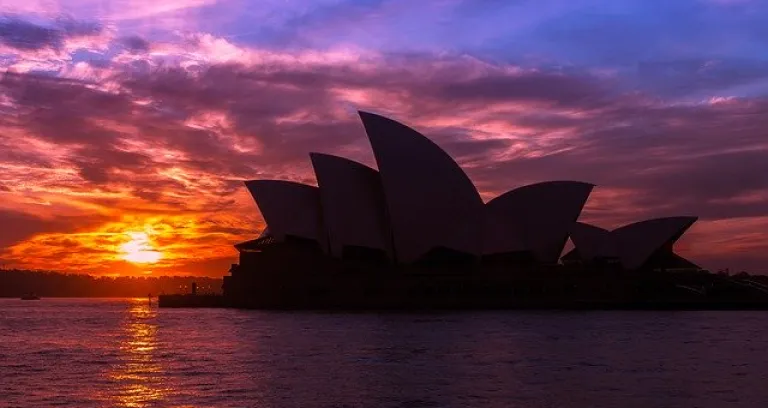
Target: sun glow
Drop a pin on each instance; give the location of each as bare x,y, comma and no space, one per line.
139,249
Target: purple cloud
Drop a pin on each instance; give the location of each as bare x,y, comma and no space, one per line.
160,123
26,36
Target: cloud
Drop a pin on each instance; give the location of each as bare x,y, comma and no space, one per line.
283,111
699,77
19,226
676,159
170,143
96,248
136,44
27,36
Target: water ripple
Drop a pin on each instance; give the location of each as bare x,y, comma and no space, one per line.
123,353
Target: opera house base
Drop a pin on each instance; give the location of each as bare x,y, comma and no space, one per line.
418,292
290,279
219,301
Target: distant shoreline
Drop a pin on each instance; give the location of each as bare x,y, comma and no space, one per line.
154,296
16,283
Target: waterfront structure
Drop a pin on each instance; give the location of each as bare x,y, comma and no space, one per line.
419,206
363,231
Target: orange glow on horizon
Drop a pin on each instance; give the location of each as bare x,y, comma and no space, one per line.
140,245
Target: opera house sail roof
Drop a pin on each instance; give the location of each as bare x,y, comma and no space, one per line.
534,218
289,209
633,244
420,202
431,201
353,206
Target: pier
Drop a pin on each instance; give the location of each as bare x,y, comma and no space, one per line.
190,300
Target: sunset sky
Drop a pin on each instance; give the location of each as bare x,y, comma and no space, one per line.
128,126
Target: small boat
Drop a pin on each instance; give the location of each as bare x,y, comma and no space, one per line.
30,296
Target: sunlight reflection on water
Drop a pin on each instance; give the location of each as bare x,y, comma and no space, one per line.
123,353
139,376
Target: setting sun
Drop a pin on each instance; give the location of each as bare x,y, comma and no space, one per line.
139,249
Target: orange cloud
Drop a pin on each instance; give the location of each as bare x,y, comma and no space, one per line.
156,244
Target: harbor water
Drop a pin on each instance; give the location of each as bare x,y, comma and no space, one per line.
126,353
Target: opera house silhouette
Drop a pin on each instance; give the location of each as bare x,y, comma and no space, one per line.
417,232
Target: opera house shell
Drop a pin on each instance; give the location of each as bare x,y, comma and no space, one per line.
421,208
645,244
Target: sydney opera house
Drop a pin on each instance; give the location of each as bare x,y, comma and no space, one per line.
417,229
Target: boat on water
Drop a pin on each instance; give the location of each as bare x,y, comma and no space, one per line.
30,296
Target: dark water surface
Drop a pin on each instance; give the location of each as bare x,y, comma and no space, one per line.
102,353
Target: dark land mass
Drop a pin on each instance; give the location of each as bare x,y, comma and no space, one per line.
17,283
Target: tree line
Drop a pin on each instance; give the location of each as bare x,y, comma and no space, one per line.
18,282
